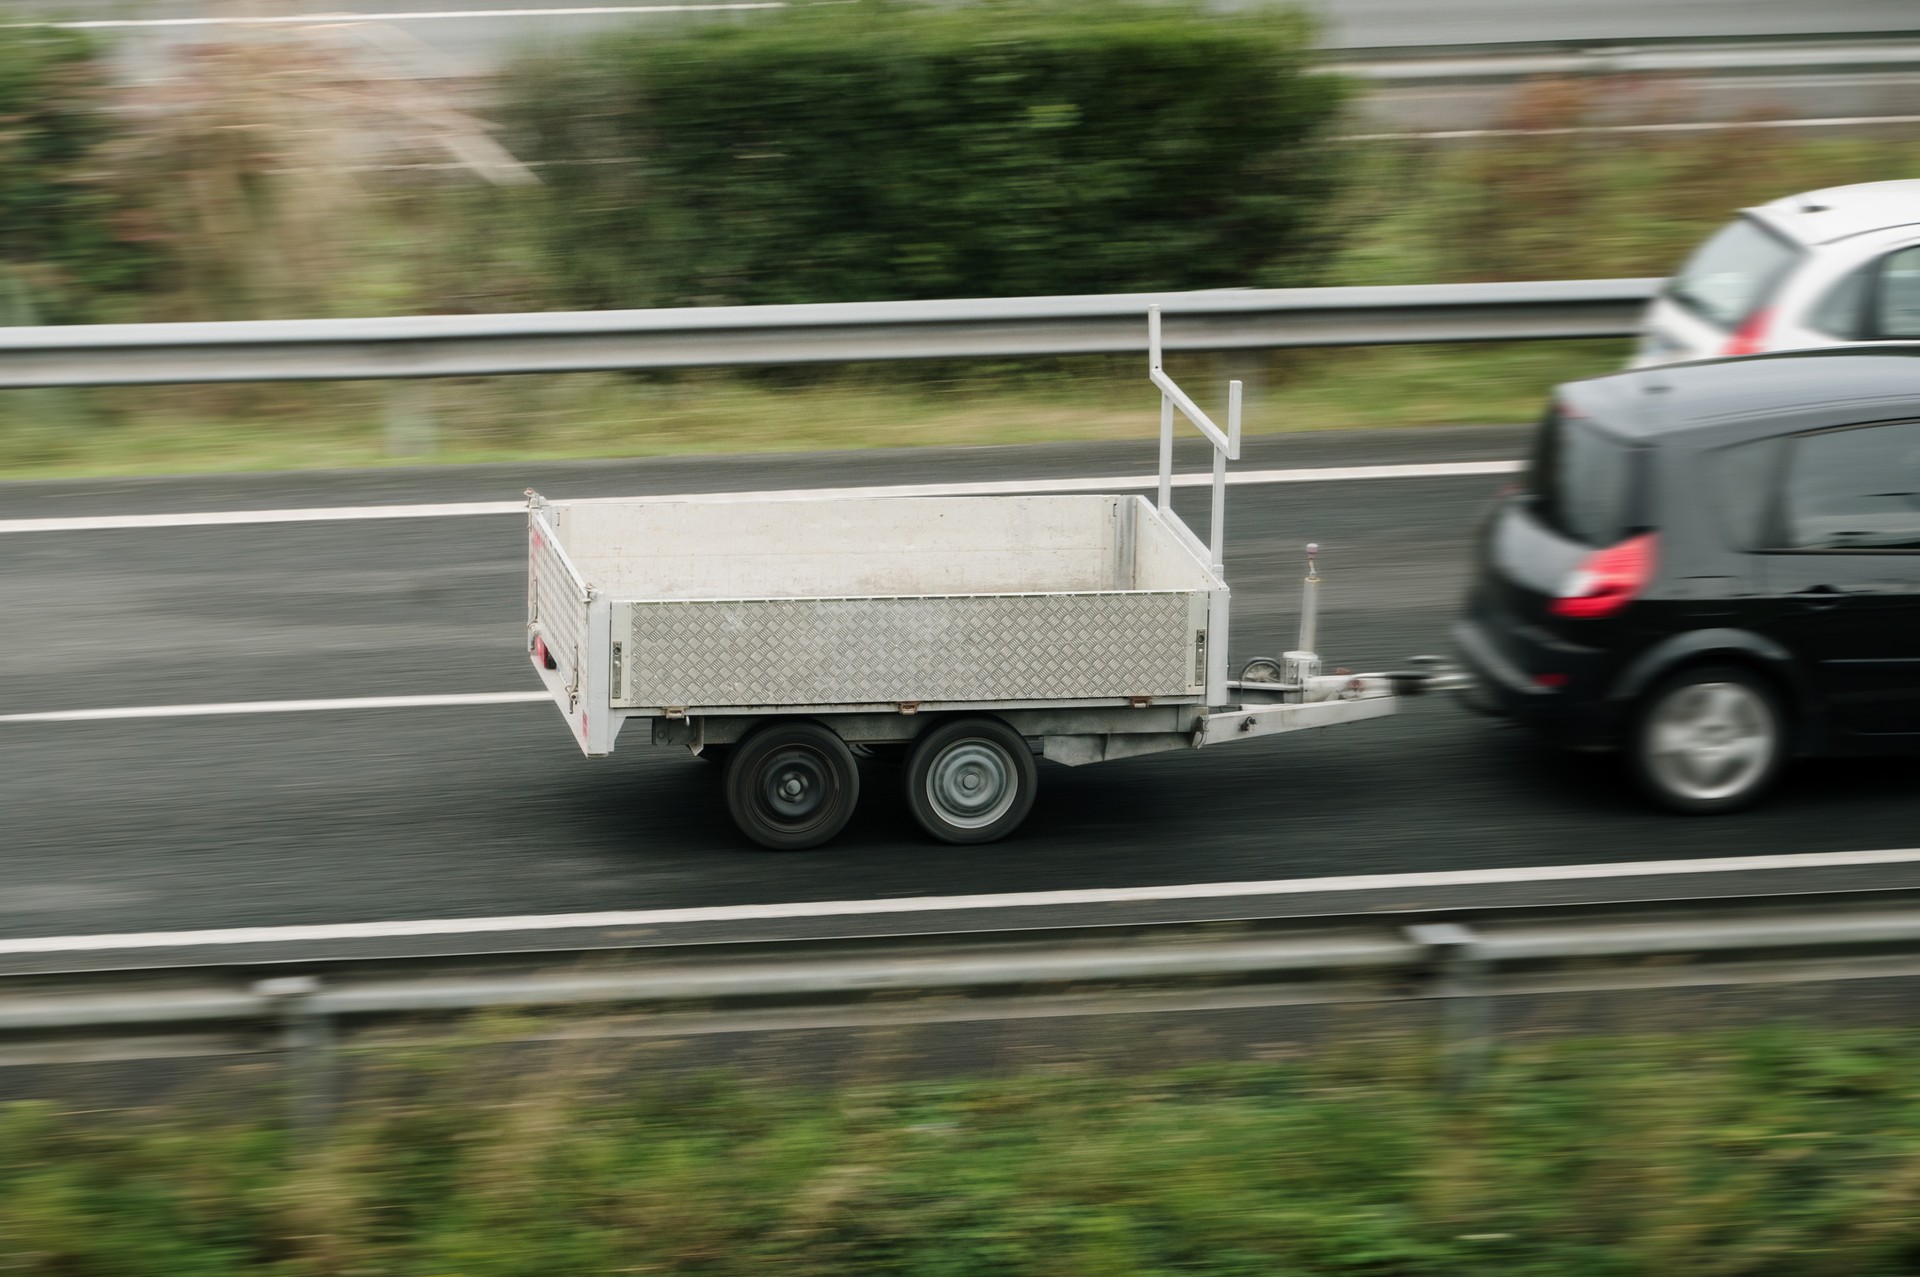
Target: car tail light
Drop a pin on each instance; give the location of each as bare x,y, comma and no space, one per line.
1607,580
1751,337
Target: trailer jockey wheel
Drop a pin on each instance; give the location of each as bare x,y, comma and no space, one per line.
791,786
971,780
1263,669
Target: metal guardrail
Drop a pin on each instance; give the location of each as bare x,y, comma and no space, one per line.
1464,961
1862,53
1526,46
817,971
585,341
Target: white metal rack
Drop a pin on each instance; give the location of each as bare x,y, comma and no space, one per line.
1226,447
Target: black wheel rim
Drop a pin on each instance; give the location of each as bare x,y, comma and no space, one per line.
796,787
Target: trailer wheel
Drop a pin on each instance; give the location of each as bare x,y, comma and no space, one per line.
791,786
971,780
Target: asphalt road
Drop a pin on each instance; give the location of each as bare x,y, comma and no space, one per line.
1350,23
432,40
363,815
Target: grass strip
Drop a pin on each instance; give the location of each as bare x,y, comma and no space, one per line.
1777,1151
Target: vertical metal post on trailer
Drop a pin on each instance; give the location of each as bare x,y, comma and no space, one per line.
599,722
1226,447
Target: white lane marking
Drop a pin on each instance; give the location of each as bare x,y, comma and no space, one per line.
940,904
423,15
447,510
232,518
275,707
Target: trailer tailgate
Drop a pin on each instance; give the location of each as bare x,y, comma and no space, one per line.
558,611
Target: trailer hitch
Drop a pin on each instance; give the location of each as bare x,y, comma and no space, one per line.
1429,674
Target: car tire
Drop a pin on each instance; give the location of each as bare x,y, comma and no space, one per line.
1708,739
970,781
791,786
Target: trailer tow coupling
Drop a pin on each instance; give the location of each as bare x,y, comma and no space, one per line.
1292,694
1429,674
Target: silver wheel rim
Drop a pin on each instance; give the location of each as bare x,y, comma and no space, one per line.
1710,740
971,784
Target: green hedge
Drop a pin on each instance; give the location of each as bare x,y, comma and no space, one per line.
868,151
65,235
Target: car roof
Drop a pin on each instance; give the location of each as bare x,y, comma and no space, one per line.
1790,390
1840,212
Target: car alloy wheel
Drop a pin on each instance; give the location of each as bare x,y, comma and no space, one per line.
1709,739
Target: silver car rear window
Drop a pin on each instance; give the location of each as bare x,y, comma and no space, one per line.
1733,274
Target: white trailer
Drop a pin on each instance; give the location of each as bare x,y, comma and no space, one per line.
958,636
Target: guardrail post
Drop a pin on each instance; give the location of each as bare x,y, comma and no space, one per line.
411,429
1466,1015
306,1035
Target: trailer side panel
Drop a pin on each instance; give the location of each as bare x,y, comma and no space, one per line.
996,648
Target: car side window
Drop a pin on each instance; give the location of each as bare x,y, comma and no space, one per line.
1842,312
1853,489
1896,305
1742,478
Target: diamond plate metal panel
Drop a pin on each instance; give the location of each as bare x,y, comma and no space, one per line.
996,647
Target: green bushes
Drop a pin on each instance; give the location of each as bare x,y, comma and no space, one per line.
869,151
65,234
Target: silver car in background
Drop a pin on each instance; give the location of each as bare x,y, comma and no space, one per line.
1826,268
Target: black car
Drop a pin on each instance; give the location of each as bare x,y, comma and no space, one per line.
1712,567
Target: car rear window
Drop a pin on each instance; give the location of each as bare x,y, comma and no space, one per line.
1584,481
1733,274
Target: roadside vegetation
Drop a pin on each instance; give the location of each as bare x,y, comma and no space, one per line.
65,235
1777,1152
1006,150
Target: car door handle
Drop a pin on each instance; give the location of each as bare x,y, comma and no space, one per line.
1819,598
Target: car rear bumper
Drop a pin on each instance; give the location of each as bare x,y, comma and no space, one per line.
1554,688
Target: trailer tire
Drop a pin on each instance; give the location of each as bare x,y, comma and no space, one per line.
970,781
791,786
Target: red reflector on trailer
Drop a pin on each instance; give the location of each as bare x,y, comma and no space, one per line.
542,655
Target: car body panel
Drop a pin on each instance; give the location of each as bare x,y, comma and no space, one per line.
1837,231
1846,657
1841,212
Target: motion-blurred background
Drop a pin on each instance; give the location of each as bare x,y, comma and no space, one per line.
252,159
284,724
